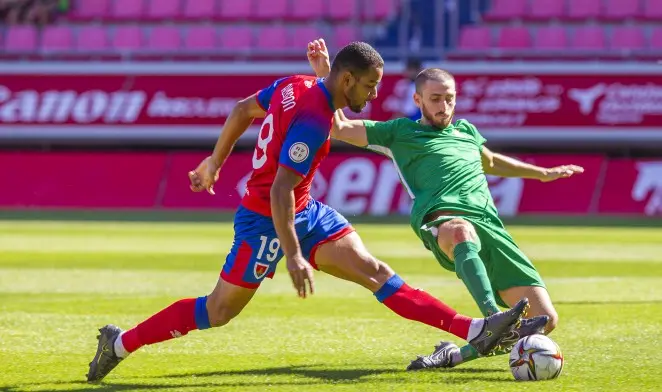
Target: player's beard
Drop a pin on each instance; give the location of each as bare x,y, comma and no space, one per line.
430,118
354,107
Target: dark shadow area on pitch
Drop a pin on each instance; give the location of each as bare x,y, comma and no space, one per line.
332,375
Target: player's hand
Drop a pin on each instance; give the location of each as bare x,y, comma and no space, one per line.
301,272
204,176
318,57
564,171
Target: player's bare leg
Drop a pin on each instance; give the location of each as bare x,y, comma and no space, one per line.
539,300
347,258
224,303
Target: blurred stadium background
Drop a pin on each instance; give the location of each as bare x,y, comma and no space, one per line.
130,94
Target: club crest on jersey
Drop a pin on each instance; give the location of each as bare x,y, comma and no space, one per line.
260,269
299,152
308,83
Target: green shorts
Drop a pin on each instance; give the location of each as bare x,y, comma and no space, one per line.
507,266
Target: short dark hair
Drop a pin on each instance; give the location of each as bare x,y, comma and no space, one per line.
358,58
437,74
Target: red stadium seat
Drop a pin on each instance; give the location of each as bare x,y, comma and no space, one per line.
236,38
127,38
379,10
90,10
589,38
201,38
301,35
656,41
343,35
163,9
506,10
514,38
551,39
584,9
543,10
92,39
475,38
21,39
306,10
617,10
57,38
653,10
165,39
272,38
127,9
268,10
627,38
342,10
199,9
235,10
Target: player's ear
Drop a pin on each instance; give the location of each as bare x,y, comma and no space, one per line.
348,79
418,99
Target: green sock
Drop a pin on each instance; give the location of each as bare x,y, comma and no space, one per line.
469,353
470,268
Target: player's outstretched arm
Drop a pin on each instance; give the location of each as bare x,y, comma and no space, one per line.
282,212
349,131
240,118
504,166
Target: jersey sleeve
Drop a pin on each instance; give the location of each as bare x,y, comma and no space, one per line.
380,133
471,129
264,95
306,134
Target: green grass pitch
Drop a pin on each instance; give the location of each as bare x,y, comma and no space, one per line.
60,281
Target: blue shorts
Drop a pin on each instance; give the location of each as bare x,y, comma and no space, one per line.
256,249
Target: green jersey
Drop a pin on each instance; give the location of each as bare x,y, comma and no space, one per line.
441,169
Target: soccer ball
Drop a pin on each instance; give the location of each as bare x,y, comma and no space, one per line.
536,357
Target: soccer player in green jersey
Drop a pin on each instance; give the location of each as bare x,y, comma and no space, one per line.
443,165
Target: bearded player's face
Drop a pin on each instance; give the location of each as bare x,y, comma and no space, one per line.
361,90
437,102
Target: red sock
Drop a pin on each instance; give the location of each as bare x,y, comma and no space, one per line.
420,306
174,321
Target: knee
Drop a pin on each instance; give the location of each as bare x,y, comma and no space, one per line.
453,232
553,321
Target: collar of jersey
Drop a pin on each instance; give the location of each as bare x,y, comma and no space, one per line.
449,128
326,92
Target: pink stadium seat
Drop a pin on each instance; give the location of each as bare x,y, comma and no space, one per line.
85,10
617,10
301,35
506,10
551,38
199,9
589,38
514,38
306,10
379,10
164,9
237,38
627,38
272,38
475,38
91,39
653,9
268,10
584,9
57,38
656,41
342,10
343,35
543,10
235,10
127,38
200,38
127,9
165,39
21,39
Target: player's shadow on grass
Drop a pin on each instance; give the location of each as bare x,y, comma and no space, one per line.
303,371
